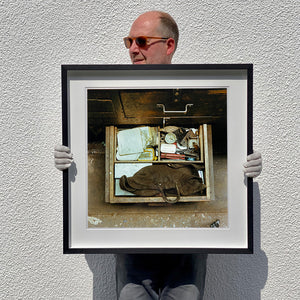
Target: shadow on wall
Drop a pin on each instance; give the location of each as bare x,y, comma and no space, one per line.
104,279
240,276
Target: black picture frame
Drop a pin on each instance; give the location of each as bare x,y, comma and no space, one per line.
237,78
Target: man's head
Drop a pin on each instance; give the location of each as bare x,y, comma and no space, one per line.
158,50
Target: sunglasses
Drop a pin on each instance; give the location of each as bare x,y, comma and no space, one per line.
141,41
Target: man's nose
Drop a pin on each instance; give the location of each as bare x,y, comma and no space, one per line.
134,48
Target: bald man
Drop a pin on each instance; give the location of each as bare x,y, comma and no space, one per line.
153,39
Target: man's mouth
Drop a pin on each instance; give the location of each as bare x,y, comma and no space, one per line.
138,61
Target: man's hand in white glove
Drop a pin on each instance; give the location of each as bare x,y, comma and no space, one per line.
63,157
253,166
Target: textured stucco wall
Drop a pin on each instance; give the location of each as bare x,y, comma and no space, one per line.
36,37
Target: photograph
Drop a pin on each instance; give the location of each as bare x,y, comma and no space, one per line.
152,155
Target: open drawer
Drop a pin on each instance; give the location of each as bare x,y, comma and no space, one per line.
163,153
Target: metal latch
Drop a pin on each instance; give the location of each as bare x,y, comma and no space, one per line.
174,111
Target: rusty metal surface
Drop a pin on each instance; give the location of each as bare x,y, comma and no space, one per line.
119,107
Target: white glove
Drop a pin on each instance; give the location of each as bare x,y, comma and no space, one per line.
63,157
253,166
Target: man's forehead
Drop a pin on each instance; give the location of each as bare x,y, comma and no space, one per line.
145,25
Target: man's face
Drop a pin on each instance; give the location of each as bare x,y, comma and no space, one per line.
157,51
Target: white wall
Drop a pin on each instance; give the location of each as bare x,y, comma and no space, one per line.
38,36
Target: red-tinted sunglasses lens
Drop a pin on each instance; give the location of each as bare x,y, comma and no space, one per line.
128,42
141,41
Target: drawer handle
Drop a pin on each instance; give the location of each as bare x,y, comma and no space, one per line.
174,111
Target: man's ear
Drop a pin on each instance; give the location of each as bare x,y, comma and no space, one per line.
170,46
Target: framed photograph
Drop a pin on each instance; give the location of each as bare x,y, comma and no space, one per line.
158,153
